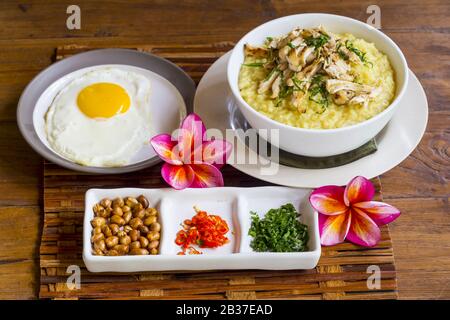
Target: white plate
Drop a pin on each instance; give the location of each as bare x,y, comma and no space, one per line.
166,104
395,142
232,204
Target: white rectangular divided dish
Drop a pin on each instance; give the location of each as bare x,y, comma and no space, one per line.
232,204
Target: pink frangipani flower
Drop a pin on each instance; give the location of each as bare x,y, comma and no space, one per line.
191,160
349,213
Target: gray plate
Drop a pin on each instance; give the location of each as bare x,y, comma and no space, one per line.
39,84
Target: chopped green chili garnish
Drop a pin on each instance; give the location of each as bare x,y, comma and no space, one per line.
361,55
279,231
285,91
318,92
290,45
317,42
298,84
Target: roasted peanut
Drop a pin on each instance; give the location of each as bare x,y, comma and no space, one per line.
144,229
134,235
104,213
126,209
97,237
153,235
112,241
122,249
117,211
153,244
112,252
139,214
144,242
125,240
98,252
127,228
134,245
107,231
155,226
121,234
138,207
117,220
150,212
154,251
97,230
127,216
135,223
105,203
131,202
114,228
100,245
139,252
98,222
143,200
97,207
148,221
118,202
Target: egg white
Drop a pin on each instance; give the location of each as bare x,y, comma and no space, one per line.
105,142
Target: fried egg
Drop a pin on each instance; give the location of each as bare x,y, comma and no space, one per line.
102,118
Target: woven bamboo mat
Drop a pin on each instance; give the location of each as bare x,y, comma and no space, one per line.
341,273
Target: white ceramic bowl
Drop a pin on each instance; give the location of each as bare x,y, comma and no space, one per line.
319,142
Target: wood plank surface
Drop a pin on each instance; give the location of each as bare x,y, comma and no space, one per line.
418,186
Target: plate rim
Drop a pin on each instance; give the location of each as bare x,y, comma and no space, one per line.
247,169
30,135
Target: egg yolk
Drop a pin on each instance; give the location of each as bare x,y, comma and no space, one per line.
103,100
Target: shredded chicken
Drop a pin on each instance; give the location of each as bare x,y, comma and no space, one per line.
276,87
255,51
334,85
266,84
350,92
307,55
293,61
337,68
343,97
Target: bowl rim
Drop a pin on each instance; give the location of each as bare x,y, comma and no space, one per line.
236,93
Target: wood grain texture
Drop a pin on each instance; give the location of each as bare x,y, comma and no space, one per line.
32,29
19,237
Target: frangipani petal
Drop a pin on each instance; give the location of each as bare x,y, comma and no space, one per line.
333,229
191,135
194,124
328,200
216,152
381,213
179,177
358,189
206,176
166,148
363,230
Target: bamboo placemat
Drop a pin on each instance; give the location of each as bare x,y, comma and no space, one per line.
341,273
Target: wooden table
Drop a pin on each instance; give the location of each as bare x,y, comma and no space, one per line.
30,31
